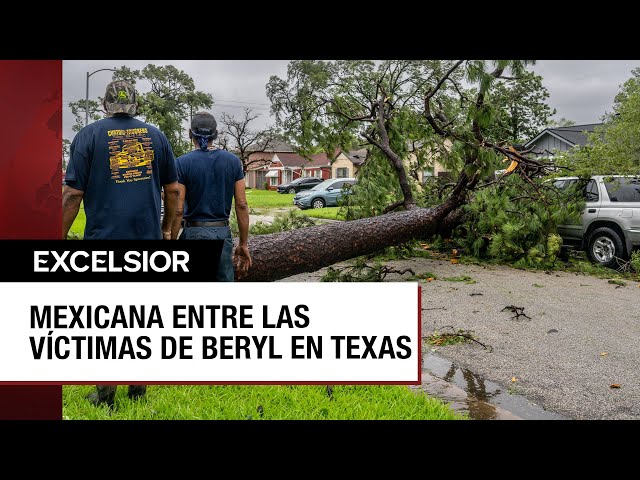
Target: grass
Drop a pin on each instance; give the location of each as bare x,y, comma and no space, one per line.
268,199
577,264
331,213
296,402
77,229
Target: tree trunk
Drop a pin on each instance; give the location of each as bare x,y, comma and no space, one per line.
280,255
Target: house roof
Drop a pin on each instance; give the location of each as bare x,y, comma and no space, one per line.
573,135
295,160
357,157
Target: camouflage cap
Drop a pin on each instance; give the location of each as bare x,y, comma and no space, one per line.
120,97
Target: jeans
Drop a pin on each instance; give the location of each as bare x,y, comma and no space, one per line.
225,266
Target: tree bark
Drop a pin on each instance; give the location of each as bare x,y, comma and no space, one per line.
280,255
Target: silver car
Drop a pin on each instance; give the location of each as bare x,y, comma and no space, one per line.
610,222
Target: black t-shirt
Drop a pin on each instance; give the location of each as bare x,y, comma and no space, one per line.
209,177
120,164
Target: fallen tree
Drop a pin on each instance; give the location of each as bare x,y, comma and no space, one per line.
394,109
281,255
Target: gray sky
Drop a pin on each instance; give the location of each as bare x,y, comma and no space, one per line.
580,90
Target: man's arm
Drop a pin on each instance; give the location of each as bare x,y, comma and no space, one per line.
71,199
242,255
177,221
172,206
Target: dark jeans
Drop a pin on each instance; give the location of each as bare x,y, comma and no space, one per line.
225,267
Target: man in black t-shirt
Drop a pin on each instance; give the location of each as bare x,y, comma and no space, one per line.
118,166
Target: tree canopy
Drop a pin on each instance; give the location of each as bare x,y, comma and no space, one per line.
613,148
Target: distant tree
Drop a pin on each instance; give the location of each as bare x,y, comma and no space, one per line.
520,106
237,135
563,122
78,109
613,148
66,144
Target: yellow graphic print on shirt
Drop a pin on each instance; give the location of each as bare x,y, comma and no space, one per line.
130,155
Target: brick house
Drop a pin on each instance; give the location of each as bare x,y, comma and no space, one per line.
287,166
255,177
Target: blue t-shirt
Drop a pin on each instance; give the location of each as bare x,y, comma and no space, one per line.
209,177
120,164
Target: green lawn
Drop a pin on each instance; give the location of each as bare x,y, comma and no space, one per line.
296,402
268,198
332,213
77,229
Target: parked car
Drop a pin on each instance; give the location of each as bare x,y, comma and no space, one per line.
325,194
609,226
299,184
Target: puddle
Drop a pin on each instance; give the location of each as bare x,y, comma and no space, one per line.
470,393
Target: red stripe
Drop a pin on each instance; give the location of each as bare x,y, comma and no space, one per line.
30,190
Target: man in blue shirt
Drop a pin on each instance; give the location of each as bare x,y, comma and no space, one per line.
118,166
210,180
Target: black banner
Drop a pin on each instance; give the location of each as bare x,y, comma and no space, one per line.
110,260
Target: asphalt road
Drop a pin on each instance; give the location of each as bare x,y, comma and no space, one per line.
583,335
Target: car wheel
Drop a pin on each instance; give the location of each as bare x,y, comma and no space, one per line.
605,247
291,190
318,203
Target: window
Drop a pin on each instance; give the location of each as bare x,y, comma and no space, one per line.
273,181
342,172
591,192
338,185
623,189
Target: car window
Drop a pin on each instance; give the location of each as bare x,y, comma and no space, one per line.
337,185
623,189
591,191
322,185
564,184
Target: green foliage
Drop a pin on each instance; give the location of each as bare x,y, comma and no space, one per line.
520,108
503,222
79,108
361,271
613,148
635,261
282,224
402,252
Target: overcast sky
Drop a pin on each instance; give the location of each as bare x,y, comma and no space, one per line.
580,90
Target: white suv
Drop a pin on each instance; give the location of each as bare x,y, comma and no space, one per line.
610,222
